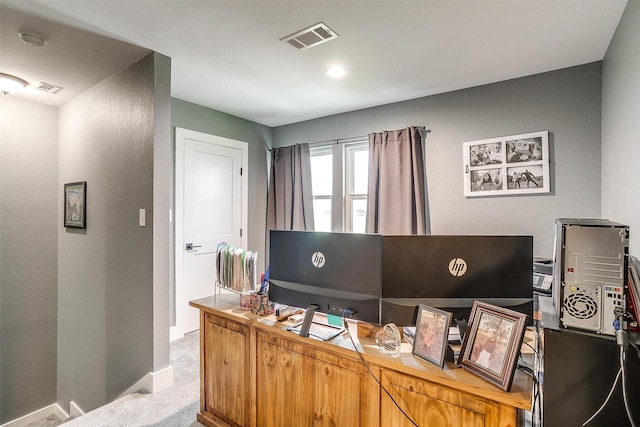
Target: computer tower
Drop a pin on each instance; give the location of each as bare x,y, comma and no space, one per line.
589,273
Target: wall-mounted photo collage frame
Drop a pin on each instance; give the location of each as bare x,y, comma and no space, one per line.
508,165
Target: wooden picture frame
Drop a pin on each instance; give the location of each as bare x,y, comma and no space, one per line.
432,334
492,344
75,204
507,165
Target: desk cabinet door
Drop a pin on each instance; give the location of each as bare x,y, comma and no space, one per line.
226,370
431,405
295,389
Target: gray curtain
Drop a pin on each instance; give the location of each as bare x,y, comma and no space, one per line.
289,200
396,198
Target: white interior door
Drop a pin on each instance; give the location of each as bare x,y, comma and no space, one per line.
210,208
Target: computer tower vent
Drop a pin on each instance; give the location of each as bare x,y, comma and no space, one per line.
581,307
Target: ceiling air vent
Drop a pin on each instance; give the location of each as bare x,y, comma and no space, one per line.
310,37
47,87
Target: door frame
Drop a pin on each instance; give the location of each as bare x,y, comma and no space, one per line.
180,303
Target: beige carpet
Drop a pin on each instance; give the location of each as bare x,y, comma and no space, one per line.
50,421
176,406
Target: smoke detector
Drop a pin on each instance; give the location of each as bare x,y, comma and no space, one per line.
310,37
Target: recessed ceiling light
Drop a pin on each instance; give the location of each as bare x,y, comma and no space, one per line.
10,84
336,72
32,40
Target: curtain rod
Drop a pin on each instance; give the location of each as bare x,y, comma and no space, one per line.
349,139
354,138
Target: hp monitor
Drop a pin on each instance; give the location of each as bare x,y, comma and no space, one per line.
450,272
334,271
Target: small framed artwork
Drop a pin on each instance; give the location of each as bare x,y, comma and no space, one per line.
517,164
492,344
75,204
432,333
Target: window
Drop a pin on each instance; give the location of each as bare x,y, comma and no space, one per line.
356,182
322,187
339,176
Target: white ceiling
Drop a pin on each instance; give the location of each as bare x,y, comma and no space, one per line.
226,54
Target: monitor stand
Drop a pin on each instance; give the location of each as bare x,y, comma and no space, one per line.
462,328
308,318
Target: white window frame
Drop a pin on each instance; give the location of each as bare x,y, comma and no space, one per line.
342,196
323,151
349,194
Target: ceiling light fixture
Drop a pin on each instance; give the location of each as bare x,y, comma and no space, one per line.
336,72
10,84
32,40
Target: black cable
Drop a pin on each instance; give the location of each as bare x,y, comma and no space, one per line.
522,367
364,363
525,368
532,348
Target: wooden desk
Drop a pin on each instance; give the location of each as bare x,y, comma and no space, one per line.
253,372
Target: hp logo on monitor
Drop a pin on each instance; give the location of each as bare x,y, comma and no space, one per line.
317,259
457,267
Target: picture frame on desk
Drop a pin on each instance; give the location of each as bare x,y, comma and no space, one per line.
492,344
432,333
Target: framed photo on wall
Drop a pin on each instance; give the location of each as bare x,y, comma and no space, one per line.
432,333
75,204
492,344
517,164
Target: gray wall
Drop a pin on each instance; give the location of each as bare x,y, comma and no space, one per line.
105,273
566,102
28,256
259,137
621,127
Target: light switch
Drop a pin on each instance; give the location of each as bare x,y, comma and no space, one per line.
143,218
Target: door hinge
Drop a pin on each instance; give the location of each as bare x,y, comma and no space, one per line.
240,171
241,232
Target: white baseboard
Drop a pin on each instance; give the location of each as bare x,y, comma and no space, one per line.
40,414
162,379
153,382
74,410
175,333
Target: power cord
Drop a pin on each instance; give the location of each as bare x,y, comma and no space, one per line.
522,367
613,387
527,369
624,384
531,347
364,363
621,339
